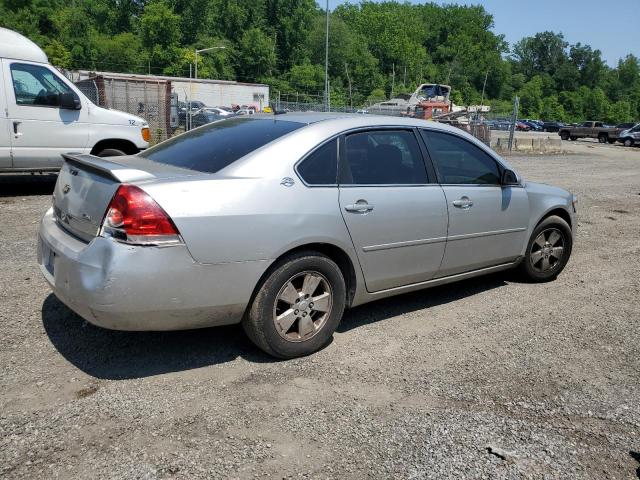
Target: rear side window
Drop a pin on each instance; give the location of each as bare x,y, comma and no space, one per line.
383,157
458,161
217,145
321,167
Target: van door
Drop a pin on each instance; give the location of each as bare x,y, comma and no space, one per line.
5,138
40,130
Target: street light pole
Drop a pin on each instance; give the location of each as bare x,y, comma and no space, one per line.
204,50
326,63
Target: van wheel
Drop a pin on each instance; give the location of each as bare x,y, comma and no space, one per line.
548,250
628,142
111,152
298,306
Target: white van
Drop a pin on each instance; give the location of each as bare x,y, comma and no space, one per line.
43,115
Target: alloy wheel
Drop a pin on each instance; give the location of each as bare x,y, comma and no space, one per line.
547,250
302,306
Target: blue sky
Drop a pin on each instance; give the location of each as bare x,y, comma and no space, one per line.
612,26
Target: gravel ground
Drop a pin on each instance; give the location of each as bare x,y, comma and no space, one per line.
489,378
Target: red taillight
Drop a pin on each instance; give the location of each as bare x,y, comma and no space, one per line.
134,217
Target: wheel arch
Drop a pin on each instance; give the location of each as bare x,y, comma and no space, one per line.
335,253
127,146
561,212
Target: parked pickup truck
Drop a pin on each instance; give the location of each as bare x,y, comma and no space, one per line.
590,129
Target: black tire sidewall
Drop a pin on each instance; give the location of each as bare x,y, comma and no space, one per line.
111,152
261,313
549,222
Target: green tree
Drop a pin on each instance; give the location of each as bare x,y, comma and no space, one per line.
257,56
531,97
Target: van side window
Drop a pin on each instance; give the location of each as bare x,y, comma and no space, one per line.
36,85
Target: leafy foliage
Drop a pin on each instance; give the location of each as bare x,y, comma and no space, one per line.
377,49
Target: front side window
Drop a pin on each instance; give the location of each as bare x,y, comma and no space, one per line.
36,85
217,145
383,157
458,161
321,167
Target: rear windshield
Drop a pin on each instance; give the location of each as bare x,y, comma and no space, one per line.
217,145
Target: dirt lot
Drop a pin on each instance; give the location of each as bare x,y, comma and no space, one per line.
490,378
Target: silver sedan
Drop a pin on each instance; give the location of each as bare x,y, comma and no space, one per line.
281,222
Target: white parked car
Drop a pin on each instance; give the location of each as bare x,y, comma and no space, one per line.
45,115
216,110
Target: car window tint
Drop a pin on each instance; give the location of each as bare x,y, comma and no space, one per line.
383,157
36,85
321,167
217,145
458,161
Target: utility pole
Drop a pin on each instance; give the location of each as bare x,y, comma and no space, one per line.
346,70
514,119
393,78
326,63
484,85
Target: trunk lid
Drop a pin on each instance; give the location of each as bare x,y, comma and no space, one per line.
86,184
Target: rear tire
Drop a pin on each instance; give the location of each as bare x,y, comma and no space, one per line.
564,135
611,141
283,320
548,250
573,139
111,152
602,139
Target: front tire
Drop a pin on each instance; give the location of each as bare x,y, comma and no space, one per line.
628,142
298,306
548,250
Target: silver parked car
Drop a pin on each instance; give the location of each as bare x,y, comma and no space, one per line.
282,222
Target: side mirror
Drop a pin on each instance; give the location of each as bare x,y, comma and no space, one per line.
69,101
509,177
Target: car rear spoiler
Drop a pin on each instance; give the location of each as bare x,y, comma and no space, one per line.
106,168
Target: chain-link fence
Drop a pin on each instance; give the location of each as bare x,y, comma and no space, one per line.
149,99
473,123
173,105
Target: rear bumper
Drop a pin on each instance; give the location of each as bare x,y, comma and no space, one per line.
124,287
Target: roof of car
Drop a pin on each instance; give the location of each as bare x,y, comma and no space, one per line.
358,119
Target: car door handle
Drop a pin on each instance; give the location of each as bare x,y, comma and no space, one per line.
15,129
463,202
359,207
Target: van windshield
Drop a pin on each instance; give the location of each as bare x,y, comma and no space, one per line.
214,146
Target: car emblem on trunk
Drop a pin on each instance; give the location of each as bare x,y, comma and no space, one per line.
66,189
287,182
